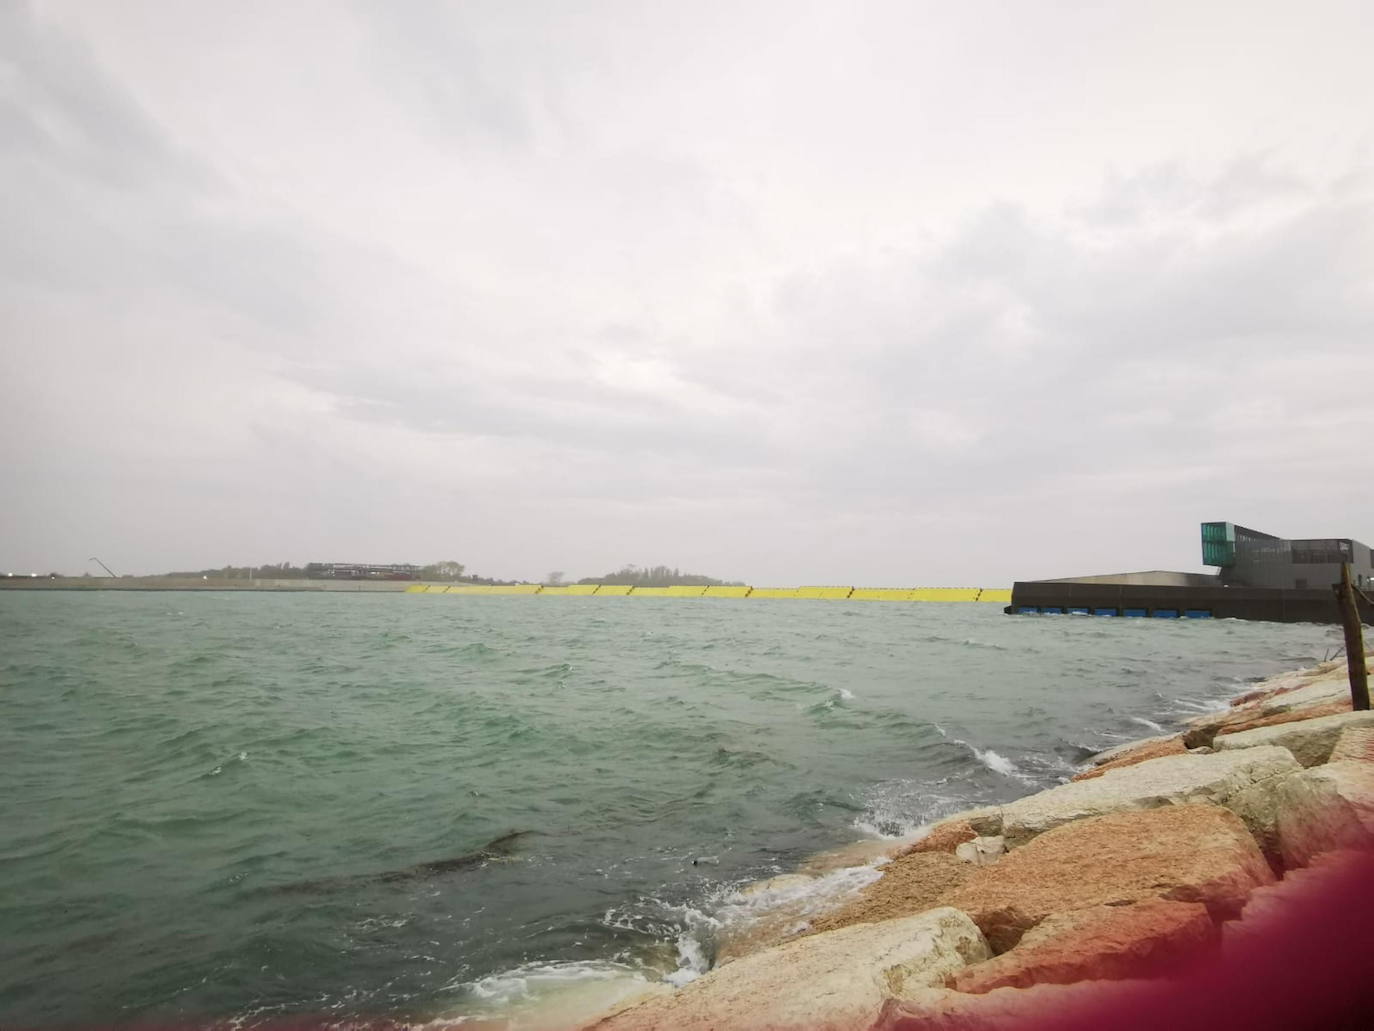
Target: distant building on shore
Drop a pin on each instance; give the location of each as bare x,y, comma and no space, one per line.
361,571
1251,558
1259,576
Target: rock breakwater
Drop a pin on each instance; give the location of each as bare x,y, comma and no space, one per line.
1168,865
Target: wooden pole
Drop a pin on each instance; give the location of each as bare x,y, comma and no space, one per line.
1354,641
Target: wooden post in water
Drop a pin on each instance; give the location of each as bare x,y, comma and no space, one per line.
1354,641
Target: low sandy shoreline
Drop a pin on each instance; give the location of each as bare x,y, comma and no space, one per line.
1161,855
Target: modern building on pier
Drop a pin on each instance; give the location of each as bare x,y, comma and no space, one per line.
1259,576
1251,558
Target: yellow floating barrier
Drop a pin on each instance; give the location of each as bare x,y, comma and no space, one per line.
998,595
945,594
494,589
827,593
727,592
773,592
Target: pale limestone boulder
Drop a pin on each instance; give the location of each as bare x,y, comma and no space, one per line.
1354,743
1015,1009
1310,741
1117,751
1172,780
1329,687
1155,748
1275,685
985,820
1324,809
981,851
1258,808
1253,717
837,981
1180,853
1325,694
1306,712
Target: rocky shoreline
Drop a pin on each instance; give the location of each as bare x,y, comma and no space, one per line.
1165,860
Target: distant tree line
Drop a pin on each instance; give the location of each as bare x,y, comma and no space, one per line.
443,572
455,572
657,576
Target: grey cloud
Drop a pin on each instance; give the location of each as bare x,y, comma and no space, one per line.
1247,182
99,197
470,67
74,117
1080,385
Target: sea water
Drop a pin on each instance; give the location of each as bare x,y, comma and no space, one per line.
241,808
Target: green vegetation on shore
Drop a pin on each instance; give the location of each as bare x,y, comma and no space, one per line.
450,571
658,576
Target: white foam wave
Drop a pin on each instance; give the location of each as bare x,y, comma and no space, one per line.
524,981
699,929
1199,705
999,763
730,912
242,757
1109,735
973,642
1055,766
880,828
546,995
897,809
1148,723
995,761
691,961
846,694
805,894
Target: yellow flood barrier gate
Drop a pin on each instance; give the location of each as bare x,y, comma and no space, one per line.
999,595
724,591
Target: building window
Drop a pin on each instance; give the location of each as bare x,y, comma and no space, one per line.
1320,552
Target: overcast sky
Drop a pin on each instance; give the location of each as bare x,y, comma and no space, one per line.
864,293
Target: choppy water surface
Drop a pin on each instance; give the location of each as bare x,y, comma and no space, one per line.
242,807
